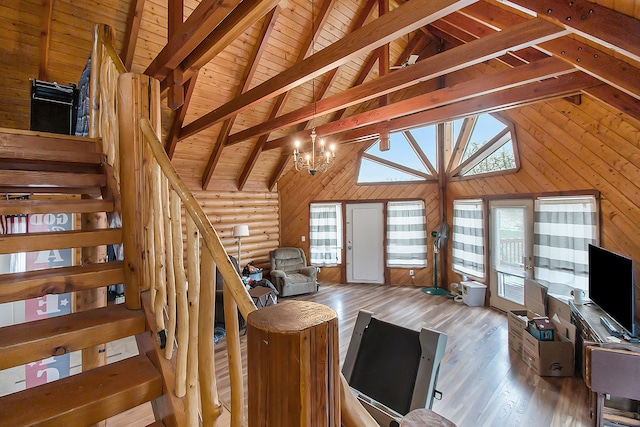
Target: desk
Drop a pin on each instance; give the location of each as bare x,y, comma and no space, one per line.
611,371
263,296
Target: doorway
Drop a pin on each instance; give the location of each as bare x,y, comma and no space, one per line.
511,252
365,243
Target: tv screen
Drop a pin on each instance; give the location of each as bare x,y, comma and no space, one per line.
611,286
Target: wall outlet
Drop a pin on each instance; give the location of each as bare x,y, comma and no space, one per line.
410,272
303,238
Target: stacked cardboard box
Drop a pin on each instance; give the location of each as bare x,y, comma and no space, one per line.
546,358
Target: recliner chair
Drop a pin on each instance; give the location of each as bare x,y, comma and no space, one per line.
290,273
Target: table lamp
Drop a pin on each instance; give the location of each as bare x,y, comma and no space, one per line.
240,231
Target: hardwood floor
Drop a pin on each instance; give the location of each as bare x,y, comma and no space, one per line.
483,383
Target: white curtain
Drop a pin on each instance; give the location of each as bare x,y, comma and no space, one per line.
15,224
563,229
325,234
406,234
468,238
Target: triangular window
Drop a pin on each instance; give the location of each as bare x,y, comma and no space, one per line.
474,145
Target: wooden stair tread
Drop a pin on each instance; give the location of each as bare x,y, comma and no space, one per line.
86,398
21,178
32,284
23,189
15,207
32,341
39,155
32,242
46,141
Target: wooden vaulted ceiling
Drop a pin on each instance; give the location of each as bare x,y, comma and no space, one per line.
241,76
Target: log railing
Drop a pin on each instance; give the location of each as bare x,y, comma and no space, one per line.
148,178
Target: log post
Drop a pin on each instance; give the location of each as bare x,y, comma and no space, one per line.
292,363
137,98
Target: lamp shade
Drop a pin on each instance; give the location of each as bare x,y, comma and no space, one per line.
240,230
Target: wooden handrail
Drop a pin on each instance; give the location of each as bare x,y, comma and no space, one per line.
209,235
117,61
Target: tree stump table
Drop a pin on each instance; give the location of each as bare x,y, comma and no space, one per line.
293,365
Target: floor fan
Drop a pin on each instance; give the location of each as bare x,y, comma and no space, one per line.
439,242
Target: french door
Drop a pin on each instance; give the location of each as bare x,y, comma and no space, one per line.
511,252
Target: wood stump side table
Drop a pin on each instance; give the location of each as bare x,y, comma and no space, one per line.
293,365
425,417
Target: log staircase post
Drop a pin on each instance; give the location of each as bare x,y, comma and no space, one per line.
292,364
138,96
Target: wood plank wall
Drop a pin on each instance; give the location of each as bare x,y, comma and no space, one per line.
567,147
563,147
298,189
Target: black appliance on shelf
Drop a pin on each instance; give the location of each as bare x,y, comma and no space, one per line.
53,107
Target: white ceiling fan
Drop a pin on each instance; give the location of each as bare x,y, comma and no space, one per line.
410,61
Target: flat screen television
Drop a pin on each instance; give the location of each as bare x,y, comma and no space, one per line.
612,287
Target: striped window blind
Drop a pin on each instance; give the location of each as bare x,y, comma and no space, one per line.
468,238
406,234
325,234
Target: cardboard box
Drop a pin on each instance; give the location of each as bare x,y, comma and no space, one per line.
548,358
535,296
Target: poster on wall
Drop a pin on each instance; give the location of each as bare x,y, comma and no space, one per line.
56,367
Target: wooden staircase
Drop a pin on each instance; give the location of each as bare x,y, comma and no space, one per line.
65,174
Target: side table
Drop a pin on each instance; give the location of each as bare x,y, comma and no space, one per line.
263,296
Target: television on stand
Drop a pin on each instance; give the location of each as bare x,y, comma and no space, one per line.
612,288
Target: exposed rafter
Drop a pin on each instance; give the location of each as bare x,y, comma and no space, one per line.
400,21
497,44
178,118
131,36
254,59
524,75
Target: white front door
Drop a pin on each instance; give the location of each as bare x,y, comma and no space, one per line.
511,260
365,238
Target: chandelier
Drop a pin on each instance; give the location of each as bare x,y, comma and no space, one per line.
326,157
314,164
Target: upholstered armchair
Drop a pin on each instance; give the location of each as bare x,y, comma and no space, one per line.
290,273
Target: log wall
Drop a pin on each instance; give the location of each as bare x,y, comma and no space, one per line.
259,210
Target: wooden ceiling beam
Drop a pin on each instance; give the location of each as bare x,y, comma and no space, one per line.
616,98
476,88
598,63
245,82
136,8
513,38
509,98
45,39
178,117
394,24
357,23
175,16
238,21
202,21
597,23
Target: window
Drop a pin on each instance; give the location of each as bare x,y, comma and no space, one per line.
475,145
468,238
406,234
563,229
325,234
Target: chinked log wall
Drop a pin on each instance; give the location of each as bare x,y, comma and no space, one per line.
257,209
